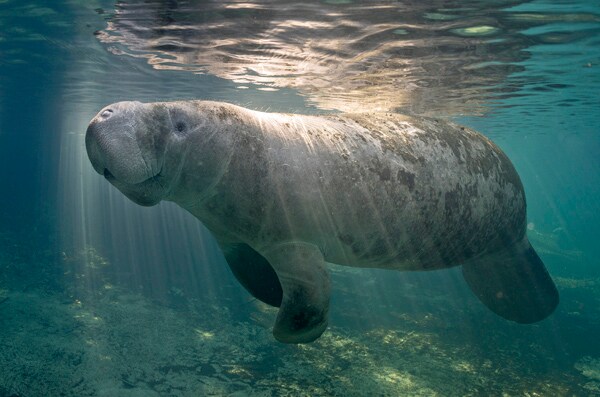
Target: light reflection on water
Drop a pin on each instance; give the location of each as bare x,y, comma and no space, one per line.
423,57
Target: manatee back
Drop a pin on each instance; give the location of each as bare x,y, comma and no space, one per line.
372,190
402,191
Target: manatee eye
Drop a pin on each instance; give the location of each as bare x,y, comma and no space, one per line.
180,126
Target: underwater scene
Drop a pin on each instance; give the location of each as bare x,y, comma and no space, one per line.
212,268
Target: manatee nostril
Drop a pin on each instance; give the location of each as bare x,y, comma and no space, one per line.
106,113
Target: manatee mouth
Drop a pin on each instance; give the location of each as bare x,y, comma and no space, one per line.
110,177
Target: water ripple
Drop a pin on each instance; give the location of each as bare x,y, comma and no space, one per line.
349,56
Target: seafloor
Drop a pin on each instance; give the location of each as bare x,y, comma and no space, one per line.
61,337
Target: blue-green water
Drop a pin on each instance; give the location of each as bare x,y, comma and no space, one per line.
99,296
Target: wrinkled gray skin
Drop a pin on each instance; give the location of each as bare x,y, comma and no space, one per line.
283,194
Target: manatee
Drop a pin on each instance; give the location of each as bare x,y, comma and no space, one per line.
285,194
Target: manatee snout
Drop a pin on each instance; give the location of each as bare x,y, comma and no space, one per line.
113,147
126,146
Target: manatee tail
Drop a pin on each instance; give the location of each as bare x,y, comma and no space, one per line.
514,284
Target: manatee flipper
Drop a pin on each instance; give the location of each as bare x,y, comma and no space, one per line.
254,272
302,317
513,283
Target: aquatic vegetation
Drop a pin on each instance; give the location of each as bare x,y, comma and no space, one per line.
590,368
120,343
107,341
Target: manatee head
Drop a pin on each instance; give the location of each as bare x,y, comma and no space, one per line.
142,148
